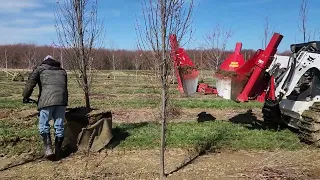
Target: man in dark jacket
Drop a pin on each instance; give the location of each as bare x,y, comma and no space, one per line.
52,100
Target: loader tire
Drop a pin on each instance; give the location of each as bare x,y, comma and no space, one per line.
309,125
271,114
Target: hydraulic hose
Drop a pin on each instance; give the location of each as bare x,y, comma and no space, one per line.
285,85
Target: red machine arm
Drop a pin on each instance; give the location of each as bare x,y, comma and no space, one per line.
255,66
185,70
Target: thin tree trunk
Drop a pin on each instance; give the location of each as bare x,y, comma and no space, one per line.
163,129
61,59
136,74
114,66
87,100
6,57
163,17
164,91
201,66
82,55
85,83
173,75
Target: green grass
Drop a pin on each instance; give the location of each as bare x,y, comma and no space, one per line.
18,138
218,134
123,92
215,103
9,130
190,135
122,103
151,101
15,104
126,92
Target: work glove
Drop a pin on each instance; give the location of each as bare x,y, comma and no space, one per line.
25,100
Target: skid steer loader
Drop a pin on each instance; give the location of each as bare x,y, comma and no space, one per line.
288,86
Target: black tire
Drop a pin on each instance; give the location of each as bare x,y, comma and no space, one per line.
271,114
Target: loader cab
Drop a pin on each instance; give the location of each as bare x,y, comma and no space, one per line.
308,86
312,46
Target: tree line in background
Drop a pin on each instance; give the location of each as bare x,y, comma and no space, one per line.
27,56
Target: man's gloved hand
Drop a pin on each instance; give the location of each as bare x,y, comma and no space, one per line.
25,100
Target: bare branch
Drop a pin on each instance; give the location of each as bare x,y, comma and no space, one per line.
160,19
177,21
303,18
266,33
216,42
30,55
78,32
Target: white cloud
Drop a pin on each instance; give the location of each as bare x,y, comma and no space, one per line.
22,35
19,22
14,6
26,20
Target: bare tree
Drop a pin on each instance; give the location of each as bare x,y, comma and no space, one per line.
266,33
216,42
78,32
304,18
201,61
6,60
31,55
114,59
137,62
162,18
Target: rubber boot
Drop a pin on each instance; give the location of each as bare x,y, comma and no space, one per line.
47,144
58,144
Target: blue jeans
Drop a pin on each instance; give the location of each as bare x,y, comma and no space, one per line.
58,115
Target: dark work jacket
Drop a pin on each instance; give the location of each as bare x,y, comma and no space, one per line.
52,81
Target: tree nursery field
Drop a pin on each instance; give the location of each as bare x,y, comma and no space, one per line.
207,137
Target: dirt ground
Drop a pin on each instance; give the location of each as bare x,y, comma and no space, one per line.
144,164
144,115
148,114
180,164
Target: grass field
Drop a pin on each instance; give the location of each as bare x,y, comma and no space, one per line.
135,103
128,92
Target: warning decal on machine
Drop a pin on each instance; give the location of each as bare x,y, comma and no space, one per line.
234,64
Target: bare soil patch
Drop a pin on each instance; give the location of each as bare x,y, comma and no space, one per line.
134,115
4,113
18,114
143,164
149,114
